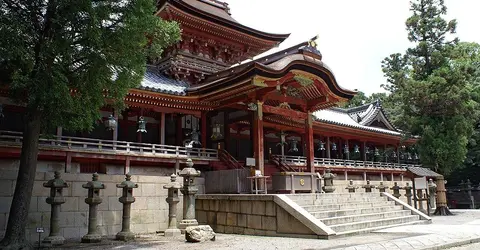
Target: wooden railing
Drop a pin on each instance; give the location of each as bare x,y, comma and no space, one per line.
229,160
102,146
320,162
281,163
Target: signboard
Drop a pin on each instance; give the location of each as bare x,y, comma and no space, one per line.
250,162
40,230
420,183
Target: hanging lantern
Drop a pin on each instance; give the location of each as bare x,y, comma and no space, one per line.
216,131
334,146
110,123
367,150
293,146
356,149
416,157
142,125
402,156
321,146
409,156
346,149
394,154
376,152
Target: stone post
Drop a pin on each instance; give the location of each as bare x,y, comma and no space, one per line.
382,188
420,200
396,190
56,198
189,190
368,187
328,181
172,200
127,199
408,193
93,200
468,187
432,191
351,187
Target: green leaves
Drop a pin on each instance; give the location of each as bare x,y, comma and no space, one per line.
64,58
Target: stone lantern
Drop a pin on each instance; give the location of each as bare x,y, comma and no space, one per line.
189,190
328,181
172,200
56,199
396,190
93,199
351,187
382,188
368,187
432,192
408,193
127,199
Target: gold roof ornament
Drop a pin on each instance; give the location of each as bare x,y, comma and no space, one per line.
313,42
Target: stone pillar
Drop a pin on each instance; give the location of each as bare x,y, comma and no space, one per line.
55,200
93,200
172,200
309,139
396,190
328,186
351,187
432,190
258,137
127,199
189,190
368,187
382,188
408,193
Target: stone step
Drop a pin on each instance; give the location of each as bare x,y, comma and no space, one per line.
329,207
372,229
355,226
364,217
346,200
356,211
330,195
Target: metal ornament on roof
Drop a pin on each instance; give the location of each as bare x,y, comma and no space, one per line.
334,146
356,149
110,123
142,125
321,146
293,146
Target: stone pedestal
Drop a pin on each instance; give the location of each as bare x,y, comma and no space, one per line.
189,190
396,190
93,200
56,199
382,188
127,199
172,200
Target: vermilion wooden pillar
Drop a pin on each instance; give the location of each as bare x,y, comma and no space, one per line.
309,141
258,137
203,134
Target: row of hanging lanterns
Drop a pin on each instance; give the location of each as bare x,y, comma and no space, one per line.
111,124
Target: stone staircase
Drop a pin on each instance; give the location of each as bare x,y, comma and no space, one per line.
354,213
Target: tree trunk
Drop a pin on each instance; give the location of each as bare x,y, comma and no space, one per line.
17,219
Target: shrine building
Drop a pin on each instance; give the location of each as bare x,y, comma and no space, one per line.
207,99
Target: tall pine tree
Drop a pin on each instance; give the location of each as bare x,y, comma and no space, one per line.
61,59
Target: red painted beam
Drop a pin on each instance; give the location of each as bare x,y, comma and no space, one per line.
285,112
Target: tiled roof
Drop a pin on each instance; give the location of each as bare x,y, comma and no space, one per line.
341,117
157,82
419,171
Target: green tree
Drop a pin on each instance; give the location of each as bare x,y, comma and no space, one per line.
62,60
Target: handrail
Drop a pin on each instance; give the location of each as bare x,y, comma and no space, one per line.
302,161
281,163
228,159
99,145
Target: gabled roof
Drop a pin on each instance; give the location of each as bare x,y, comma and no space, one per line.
157,82
423,172
369,113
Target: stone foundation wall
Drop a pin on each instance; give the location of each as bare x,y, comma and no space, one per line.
149,212
249,214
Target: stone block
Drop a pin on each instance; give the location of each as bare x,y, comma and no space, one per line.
152,227
43,206
114,204
149,216
140,203
6,188
220,229
223,205
39,189
82,206
78,190
269,223
234,206
70,205
153,203
102,230
202,217
198,204
5,203
270,208
211,218
111,218
206,205
37,218
33,205
104,205
260,232
231,219
222,218
66,219
214,205
110,190
113,230
139,228
246,207
159,217
249,231
254,221
81,219
159,190
288,224
148,189
242,220
137,217
258,207
228,230
238,230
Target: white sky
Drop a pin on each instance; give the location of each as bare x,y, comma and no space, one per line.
354,35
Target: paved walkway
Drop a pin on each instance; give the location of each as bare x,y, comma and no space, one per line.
444,232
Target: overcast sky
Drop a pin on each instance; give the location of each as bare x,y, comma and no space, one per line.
354,36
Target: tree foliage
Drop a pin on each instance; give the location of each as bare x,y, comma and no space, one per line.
433,87
62,60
